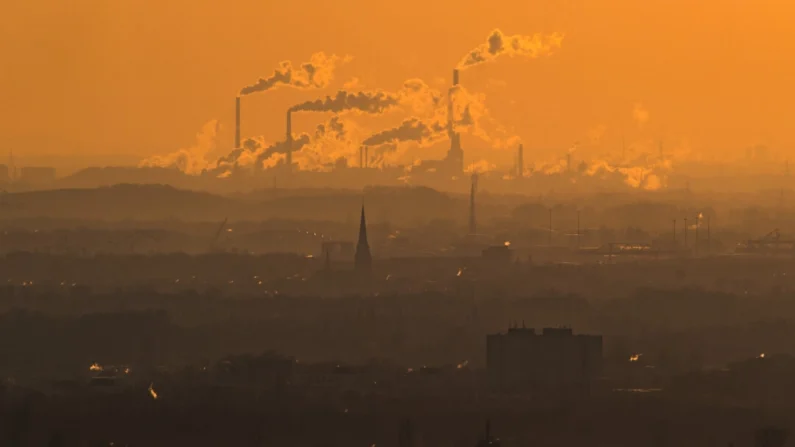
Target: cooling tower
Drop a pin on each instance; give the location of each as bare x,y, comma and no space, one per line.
237,122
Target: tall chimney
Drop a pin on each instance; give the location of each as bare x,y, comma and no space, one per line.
520,163
366,158
237,122
455,77
361,156
289,139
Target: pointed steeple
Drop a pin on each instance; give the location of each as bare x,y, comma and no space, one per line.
363,261
473,228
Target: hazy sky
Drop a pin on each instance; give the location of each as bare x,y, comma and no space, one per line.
140,77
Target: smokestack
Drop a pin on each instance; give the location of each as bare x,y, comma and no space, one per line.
361,156
366,158
520,163
455,156
289,140
237,122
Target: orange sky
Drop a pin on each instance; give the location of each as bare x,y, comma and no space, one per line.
141,77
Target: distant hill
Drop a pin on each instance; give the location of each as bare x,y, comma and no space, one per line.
402,205
125,201
97,177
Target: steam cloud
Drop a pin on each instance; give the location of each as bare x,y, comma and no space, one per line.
426,131
498,44
317,73
328,144
192,160
415,94
412,129
375,102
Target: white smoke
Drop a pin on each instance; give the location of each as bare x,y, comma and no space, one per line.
317,73
193,160
498,44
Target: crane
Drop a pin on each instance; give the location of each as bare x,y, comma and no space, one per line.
218,233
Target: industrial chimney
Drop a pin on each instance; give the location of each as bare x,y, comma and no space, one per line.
237,122
455,155
289,141
520,163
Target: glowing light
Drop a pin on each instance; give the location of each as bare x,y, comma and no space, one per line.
309,256
761,356
634,357
507,243
463,364
460,272
152,391
229,230
127,370
410,370
95,367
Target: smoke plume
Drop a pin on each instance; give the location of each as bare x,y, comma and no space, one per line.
480,167
415,94
412,129
317,73
498,44
334,144
192,160
331,142
375,102
434,126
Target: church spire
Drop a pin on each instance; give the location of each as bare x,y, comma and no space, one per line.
363,261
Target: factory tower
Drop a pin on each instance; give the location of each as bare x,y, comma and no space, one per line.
455,156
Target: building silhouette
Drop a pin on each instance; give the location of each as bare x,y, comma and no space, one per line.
363,262
556,361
